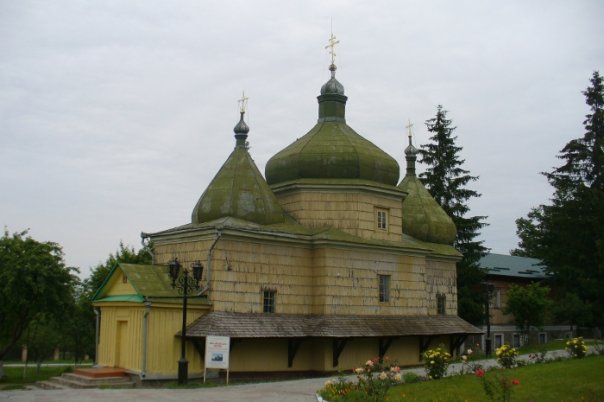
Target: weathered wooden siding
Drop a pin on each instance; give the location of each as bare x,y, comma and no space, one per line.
441,279
346,282
121,335
351,211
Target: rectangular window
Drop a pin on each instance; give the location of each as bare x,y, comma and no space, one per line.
384,285
497,298
498,340
268,301
441,304
516,340
382,219
542,337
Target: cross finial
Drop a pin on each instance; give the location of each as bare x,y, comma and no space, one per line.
243,102
408,127
332,47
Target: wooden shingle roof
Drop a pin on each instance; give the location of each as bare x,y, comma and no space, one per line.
250,325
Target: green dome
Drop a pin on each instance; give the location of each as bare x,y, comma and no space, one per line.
423,218
331,149
238,190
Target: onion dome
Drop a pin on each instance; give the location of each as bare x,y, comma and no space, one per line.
238,190
331,149
423,218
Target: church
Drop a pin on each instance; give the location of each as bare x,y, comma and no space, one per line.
327,260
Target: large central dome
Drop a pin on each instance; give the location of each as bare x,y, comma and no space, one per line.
331,149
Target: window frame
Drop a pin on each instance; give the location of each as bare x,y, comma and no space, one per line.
384,288
441,304
381,218
269,301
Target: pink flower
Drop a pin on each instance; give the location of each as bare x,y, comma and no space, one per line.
395,369
479,372
369,363
515,381
470,351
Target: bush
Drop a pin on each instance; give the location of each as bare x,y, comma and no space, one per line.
506,356
410,378
436,362
576,347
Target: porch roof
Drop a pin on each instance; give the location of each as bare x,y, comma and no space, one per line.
258,325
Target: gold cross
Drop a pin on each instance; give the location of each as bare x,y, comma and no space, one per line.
243,102
332,46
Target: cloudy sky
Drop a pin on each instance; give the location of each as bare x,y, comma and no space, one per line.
115,115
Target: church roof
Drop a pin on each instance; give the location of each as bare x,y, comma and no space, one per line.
423,218
238,190
331,149
260,325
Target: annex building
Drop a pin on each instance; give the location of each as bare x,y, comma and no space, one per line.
327,260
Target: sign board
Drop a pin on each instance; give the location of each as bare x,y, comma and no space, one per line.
217,352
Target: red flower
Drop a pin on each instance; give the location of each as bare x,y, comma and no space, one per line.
515,381
479,372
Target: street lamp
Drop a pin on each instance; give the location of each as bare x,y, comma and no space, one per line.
184,281
488,290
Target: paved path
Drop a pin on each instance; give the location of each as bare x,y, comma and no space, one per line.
281,391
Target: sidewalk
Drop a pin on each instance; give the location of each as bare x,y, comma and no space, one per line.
280,391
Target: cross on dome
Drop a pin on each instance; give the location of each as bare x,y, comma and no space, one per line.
408,127
243,102
332,48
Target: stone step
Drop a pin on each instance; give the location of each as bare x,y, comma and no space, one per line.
75,381
49,384
95,380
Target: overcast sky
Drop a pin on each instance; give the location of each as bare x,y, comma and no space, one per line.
116,115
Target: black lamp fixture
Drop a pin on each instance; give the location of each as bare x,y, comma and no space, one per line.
184,281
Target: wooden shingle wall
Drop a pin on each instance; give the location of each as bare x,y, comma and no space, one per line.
353,212
441,279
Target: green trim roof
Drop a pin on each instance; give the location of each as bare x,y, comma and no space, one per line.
513,266
148,281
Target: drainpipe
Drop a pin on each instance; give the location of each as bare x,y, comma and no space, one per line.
97,313
145,241
145,333
209,263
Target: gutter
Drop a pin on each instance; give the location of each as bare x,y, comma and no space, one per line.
209,263
145,336
97,322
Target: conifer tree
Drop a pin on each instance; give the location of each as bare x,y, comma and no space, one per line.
568,235
446,180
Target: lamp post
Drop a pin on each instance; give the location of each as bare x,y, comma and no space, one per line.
488,289
184,281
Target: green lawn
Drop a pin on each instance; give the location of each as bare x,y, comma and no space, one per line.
14,377
569,380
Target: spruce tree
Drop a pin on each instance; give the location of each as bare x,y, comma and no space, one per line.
446,180
570,231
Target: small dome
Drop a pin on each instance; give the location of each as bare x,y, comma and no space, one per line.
332,86
423,218
238,190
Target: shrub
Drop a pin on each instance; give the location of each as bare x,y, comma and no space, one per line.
436,362
506,356
576,347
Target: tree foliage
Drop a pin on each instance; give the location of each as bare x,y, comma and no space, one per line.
34,281
568,234
447,181
529,304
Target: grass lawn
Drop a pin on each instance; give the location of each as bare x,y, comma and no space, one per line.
14,378
568,380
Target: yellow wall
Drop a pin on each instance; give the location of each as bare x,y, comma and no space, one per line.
121,338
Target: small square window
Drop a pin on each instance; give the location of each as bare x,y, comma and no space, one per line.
268,301
382,219
384,285
124,279
441,304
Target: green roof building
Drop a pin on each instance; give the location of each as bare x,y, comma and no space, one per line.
323,265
